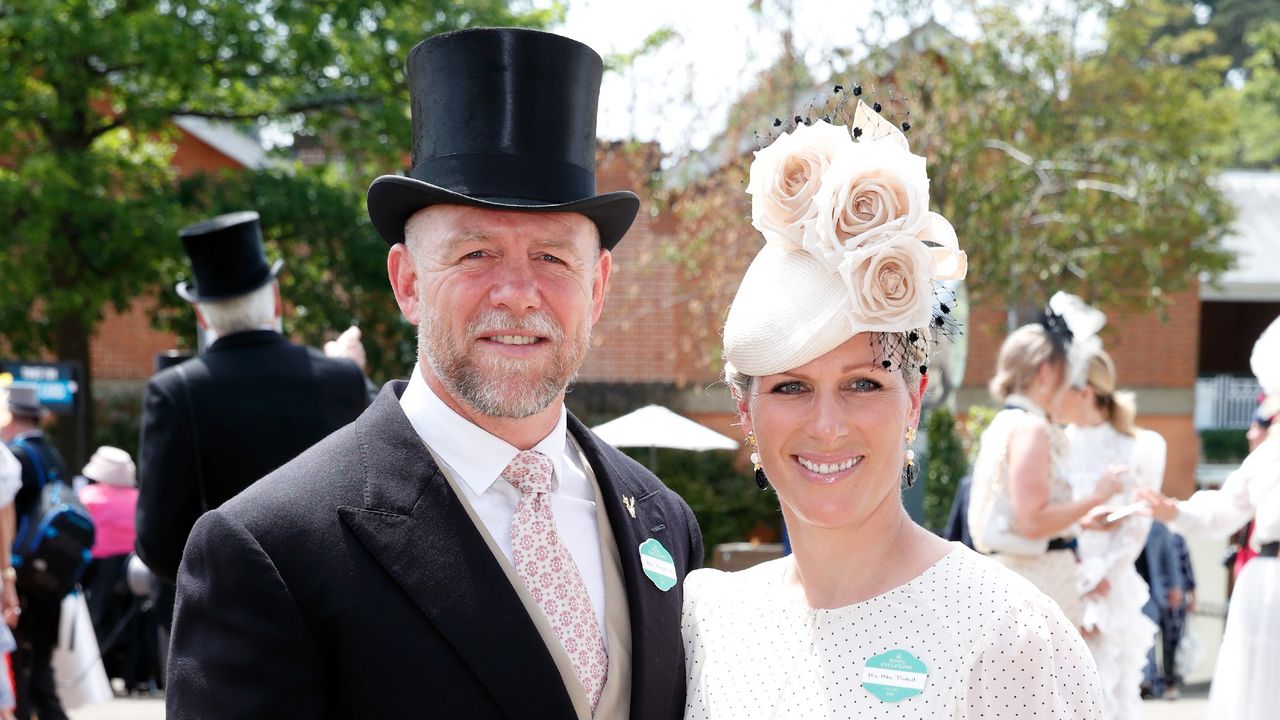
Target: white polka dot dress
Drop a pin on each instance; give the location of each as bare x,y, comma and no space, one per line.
993,645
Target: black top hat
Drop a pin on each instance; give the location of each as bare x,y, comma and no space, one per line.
503,118
227,258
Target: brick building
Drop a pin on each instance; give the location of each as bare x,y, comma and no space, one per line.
124,345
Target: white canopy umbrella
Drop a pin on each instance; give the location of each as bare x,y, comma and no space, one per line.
654,426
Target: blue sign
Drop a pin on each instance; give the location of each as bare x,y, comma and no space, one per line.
57,384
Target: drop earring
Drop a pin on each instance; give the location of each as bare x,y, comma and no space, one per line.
909,469
761,480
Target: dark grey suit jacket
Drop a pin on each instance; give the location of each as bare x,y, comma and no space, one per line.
351,583
245,407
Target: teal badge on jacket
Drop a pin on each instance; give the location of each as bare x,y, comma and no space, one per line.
658,564
894,676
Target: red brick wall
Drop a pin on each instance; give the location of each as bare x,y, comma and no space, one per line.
635,340
125,345
1148,352
193,155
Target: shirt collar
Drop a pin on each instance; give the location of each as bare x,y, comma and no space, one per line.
475,455
1022,402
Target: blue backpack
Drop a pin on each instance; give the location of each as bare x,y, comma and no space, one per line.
54,541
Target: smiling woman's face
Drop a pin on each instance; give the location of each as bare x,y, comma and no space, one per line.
831,434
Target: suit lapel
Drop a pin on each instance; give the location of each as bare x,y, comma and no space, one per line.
416,528
655,615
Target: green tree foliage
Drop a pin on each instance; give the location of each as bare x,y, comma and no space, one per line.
1062,164
1243,35
335,264
86,97
1256,142
945,465
1066,166
1230,22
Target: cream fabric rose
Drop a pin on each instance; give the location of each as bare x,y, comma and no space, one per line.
871,189
852,246
785,177
949,261
890,283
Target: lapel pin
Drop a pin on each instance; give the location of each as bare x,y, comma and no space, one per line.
630,504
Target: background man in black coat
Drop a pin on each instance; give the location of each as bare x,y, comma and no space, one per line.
376,575
252,401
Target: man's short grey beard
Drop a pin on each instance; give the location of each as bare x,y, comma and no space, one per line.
462,379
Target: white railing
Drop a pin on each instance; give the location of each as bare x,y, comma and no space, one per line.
1225,402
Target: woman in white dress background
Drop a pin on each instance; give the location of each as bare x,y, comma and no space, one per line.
1246,678
825,343
1021,507
1102,437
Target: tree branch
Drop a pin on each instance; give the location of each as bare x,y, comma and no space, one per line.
119,121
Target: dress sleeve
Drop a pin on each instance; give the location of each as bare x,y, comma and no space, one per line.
1030,663
168,489
1218,513
694,656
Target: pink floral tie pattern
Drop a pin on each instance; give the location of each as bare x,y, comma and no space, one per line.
548,570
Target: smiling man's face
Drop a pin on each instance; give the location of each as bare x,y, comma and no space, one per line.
505,303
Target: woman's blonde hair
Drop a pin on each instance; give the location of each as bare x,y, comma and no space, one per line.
1117,407
1021,356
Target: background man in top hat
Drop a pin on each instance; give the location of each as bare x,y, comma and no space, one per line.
37,628
466,548
251,402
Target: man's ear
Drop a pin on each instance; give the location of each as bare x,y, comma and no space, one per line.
600,283
402,271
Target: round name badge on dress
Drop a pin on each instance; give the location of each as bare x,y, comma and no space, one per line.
657,564
894,676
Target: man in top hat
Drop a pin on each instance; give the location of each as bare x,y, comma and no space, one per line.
467,548
37,629
252,401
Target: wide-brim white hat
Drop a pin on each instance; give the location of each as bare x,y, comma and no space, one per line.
1265,363
789,310
111,466
850,245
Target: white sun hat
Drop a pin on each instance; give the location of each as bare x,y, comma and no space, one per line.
111,466
850,245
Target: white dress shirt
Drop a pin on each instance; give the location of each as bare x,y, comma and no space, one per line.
477,458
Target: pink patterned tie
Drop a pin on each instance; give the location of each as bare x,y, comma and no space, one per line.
548,570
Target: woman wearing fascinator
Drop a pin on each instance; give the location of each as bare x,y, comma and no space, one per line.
825,346
1021,507
1102,434
1244,679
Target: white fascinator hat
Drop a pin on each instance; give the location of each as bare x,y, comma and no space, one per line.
1073,326
850,245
